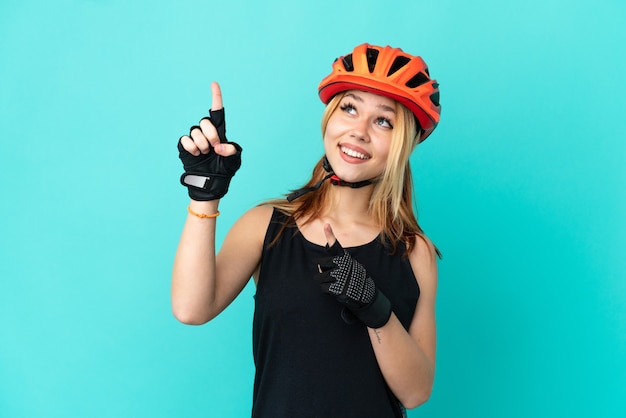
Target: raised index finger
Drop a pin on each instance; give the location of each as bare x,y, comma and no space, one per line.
216,103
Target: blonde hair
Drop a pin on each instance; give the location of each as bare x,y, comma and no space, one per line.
391,203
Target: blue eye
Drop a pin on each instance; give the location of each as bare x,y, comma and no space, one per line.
348,107
384,122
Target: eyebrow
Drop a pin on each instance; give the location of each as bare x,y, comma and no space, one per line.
381,106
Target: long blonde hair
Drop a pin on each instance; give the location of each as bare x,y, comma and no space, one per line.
391,203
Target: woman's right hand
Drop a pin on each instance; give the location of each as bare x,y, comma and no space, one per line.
209,159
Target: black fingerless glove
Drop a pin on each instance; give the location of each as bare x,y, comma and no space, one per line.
345,278
208,176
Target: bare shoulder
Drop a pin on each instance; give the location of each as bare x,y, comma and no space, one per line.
254,222
261,213
423,259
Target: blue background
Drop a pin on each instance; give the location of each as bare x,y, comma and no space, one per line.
521,187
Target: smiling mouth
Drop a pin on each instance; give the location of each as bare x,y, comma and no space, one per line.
352,153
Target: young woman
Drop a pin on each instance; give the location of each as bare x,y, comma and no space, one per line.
344,322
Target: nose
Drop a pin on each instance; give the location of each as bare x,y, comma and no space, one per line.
360,130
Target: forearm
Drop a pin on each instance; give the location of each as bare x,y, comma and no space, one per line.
193,276
407,369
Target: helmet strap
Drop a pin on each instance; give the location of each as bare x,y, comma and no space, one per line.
334,179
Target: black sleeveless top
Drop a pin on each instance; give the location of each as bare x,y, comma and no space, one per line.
309,361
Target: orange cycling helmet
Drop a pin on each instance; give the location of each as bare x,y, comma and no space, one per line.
389,72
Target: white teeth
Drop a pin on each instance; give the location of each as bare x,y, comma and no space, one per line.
353,153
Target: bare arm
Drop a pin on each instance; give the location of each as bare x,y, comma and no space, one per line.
204,284
193,276
407,360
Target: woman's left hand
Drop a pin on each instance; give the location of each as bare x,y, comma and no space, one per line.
345,278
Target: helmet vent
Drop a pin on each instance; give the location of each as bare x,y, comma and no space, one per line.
417,80
435,98
347,62
372,57
398,63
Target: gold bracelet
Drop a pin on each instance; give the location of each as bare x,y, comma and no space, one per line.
203,215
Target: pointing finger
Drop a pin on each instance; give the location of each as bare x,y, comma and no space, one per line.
216,103
330,235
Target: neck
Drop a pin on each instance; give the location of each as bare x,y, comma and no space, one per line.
346,202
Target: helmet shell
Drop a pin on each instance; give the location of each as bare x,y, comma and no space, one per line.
388,72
